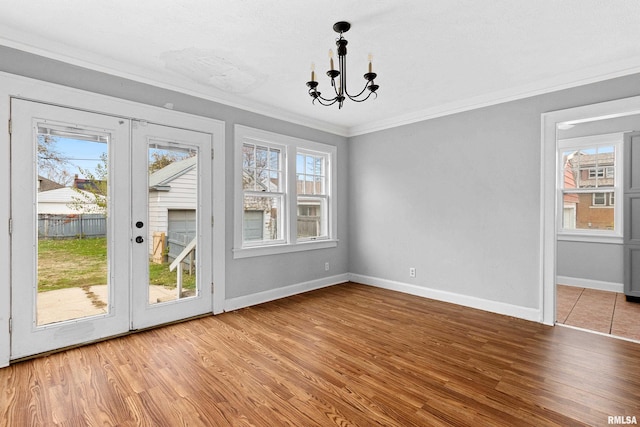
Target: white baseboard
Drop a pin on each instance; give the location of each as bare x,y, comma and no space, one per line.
526,313
274,294
590,284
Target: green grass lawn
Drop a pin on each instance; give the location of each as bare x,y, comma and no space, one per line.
67,263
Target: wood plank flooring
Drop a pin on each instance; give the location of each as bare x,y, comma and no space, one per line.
348,355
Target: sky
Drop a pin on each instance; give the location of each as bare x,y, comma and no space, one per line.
80,154
86,155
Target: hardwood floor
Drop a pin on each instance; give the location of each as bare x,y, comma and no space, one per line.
349,355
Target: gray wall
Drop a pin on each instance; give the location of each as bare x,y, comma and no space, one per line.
458,197
593,261
243,276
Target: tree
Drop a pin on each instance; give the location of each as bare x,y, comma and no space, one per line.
51,164
162,159
94,189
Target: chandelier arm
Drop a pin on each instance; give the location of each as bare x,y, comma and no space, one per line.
324,101
363,99
316,95
353,97
332,100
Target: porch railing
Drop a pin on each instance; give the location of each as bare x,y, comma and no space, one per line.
178,263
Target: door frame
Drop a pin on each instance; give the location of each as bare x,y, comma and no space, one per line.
39,91
549,200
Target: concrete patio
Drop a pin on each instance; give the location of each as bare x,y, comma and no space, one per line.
74,303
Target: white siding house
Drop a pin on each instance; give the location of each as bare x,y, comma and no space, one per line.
66,201
173,197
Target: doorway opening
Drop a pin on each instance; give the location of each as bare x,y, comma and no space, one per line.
583,268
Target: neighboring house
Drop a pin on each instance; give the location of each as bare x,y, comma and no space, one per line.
95,186
173,198
589,210
66,201
45,184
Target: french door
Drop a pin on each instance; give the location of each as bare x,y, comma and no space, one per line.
93,253
171,216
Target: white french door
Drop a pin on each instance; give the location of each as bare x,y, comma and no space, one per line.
90,201
171,178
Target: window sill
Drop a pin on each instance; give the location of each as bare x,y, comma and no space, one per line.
590,238
283,249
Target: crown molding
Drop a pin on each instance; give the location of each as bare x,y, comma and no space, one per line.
117,69
565,81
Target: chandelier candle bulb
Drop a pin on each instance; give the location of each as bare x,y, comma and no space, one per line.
370,59
331,58
313,72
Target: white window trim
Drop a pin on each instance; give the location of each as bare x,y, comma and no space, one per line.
291,146
595,236
326,196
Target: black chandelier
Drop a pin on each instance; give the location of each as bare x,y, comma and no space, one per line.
340,88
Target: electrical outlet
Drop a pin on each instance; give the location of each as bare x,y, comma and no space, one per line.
326,266
412,272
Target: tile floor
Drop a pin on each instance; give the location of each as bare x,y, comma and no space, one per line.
601,311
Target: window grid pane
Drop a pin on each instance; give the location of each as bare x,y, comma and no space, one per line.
261,168
312,218
310,174
262,218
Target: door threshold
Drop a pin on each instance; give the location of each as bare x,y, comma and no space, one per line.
124,334
598,333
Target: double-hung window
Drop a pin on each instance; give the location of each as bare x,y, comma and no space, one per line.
312,192
589,188
285,194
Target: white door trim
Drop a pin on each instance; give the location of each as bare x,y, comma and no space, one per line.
549,205
27,88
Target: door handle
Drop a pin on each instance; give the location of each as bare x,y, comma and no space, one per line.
139,239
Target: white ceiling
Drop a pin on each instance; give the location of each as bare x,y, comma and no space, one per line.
432,56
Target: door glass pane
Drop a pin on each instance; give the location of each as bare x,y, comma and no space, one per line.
172,201
72,207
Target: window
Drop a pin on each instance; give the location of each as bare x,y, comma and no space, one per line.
603,200
601,172
311,186
590,176
284,194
